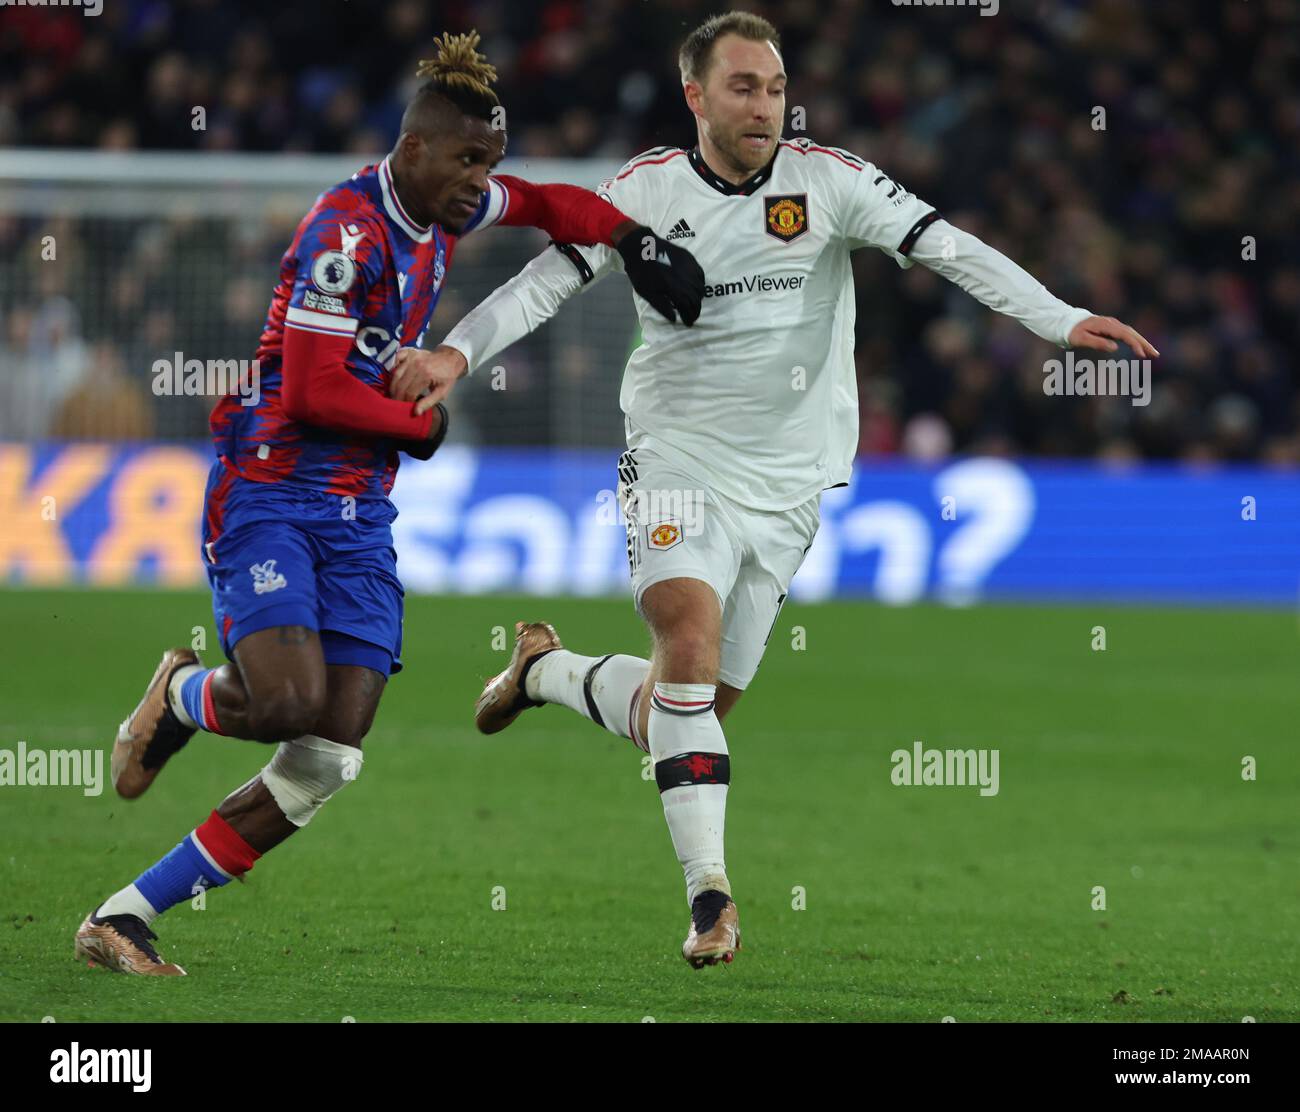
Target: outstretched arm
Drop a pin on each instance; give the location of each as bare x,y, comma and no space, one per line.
525,303
663,274
998,282
508,314
879,211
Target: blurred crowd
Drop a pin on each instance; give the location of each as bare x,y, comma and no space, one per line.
1177,212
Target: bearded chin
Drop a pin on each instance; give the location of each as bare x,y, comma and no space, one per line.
745,156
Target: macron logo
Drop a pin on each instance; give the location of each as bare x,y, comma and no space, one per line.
351,239
680,230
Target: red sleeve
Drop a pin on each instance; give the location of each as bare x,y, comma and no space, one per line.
318,389
566,213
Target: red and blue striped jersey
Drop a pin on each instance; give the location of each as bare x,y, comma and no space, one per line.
358,267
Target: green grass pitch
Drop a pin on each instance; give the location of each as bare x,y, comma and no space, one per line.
1119,768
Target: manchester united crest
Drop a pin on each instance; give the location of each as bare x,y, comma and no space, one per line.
787,216
664,534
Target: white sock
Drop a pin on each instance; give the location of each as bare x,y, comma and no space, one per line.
129,901
692,769
174,694
561,677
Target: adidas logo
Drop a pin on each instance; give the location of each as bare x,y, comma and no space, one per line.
680,230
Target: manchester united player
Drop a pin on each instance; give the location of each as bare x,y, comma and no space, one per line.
736,427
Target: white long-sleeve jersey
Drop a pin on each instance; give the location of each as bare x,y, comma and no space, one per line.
759,397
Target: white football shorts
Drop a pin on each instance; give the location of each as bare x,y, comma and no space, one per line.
678,527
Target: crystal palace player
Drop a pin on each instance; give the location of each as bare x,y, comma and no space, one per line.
735,428
296,534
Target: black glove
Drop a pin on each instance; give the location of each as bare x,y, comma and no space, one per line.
670,279
424,449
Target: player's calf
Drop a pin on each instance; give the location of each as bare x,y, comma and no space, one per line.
693,773
282,798
117,934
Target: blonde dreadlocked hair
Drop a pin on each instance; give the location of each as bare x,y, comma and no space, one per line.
460,74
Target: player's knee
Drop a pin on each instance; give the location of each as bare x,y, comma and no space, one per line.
306,772
288,712
689,655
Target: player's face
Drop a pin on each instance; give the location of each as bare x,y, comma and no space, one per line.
741,103
450,171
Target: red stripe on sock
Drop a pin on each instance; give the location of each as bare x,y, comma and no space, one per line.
676,703
210,722
232,854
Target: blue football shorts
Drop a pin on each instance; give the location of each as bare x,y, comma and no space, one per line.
281,555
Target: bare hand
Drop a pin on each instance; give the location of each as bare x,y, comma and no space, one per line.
427,375
1100,333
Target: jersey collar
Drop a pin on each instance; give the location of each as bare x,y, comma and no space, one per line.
396,213
745,188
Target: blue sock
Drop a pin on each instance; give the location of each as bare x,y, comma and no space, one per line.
196,700
174,878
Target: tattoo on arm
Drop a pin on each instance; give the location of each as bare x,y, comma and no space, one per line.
294,635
